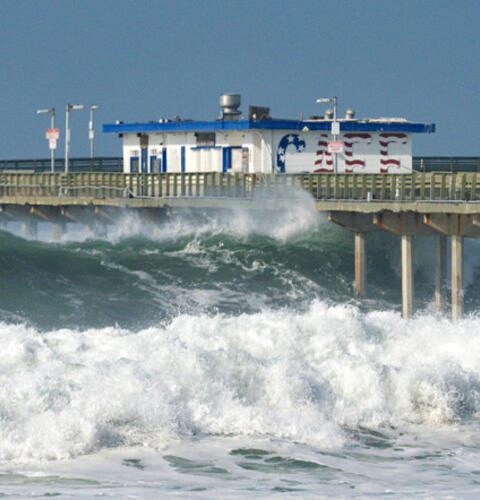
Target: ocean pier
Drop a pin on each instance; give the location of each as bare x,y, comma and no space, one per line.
439,204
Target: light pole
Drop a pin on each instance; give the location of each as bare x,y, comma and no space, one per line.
90,128
335,126
67,130
52,125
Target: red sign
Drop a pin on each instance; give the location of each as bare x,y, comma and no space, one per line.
52,133
335,146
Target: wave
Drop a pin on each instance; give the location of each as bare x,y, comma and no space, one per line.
238,262
311,377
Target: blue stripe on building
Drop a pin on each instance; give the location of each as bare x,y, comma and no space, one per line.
144,154
164,159
345,126
226,159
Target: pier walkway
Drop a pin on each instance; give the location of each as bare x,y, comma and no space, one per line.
431,203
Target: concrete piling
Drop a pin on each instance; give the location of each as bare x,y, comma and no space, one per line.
440,271
407,276
457,277
360,265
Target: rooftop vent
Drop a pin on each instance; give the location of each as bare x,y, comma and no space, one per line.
328,114
230,104
349,114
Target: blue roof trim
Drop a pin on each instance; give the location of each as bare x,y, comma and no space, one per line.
370,126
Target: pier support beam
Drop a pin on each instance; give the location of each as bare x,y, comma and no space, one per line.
440,270
407,276
457,277
353,221
360,265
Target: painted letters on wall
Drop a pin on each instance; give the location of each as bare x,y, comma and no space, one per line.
363,152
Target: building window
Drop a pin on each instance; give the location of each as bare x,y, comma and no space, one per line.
205,138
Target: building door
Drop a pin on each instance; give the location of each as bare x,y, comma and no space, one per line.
134,164
155,165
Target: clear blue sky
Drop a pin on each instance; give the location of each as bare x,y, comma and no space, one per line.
142,60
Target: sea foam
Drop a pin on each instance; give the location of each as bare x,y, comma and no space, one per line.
307,377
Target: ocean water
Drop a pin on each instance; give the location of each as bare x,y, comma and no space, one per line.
223,356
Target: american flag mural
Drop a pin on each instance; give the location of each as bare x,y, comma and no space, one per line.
385,140
324,160
284,143
350,139
363,152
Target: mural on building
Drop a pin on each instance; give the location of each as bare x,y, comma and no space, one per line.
350,139
285,142
385,140
323,157
363,152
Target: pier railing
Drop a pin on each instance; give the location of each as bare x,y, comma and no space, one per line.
367,187
43,165
446,163
115,164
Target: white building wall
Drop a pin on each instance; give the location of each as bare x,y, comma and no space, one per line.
288,151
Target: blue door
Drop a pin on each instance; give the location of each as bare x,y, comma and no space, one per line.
134,164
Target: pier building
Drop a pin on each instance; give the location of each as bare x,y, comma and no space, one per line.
262,144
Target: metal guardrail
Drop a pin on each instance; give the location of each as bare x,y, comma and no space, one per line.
446,163
435,186
97,164
115,164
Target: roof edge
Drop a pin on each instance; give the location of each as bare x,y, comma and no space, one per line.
353,125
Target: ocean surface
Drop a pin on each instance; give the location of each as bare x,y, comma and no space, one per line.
224,356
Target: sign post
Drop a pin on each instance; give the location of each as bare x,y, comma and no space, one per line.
68,107
53,144
52,134
335,127
91,134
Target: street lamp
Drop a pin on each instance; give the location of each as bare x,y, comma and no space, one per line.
90,128
67,130
335,128
52,125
